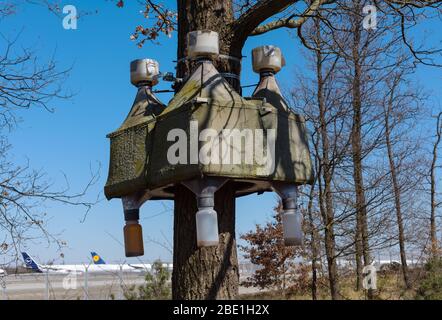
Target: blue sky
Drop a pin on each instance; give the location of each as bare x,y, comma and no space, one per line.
73,139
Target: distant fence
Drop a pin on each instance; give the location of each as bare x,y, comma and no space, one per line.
75,286
49,286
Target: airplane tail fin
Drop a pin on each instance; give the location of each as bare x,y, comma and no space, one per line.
97,259
30,263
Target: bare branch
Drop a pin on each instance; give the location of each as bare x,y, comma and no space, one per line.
258,13
417,3
26,83
290,22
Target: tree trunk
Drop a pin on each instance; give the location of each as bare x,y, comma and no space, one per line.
397,193
358,253
314,245
433,232
361,210
206,273
325,172
326,195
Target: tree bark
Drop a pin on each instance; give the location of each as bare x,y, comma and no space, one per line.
206,273
358,253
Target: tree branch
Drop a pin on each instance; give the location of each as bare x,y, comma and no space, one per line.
417,3
290,22
258,13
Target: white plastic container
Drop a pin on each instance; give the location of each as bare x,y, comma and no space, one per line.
202,43
292,228
144,71
267,58
207,228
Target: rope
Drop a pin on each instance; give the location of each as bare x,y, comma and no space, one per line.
222,56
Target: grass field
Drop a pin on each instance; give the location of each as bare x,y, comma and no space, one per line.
390,286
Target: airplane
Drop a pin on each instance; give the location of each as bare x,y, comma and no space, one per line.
142,266
80,268
96,258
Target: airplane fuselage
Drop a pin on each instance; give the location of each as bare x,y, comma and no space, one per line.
94,268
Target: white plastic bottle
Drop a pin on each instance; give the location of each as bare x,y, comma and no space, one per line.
207,227
292,228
